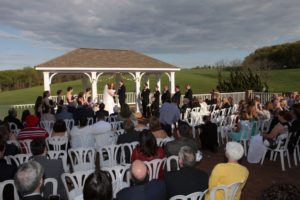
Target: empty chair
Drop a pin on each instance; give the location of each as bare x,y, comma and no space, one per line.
172,163
82,158
59,155
53,182
47,125
25,146
281,148
7,183
229,191
109,155
19,159
120,176
13,128
69,124
193,196
77,180
57,143
154,167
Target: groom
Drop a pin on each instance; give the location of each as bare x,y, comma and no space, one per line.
122,93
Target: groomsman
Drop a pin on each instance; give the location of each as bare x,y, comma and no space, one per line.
177,95
166,94
145,100
122,93
189,93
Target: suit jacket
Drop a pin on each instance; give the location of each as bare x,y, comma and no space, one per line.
7,172
185,181
189,95
153,190
165,96
52,169
34,197
122,94
156,96
209,135
177,97
145,96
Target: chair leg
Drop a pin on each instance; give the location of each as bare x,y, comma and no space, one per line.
282,161
275,156
298,151
245,147
295,157
288,158
271,155
263,157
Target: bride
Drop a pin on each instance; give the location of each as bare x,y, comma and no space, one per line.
108,97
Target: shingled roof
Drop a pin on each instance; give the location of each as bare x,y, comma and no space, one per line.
86,58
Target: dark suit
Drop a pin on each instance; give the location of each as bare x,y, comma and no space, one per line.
165,96
177,97
209,136
153,190
14,120
185,181
34,197
7,172
122,95
189,95
52,169
145,101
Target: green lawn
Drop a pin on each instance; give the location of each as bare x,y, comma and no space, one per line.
202,81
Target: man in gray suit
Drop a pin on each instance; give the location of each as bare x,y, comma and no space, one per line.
173,147
53,168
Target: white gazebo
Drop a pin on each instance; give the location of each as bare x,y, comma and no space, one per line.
96,62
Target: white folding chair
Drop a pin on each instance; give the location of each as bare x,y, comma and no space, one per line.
281,148
47,125
60,155
127,147
120,176
192,196
14,142
25,146
112,118
228,191
116,125
52,181
13,128
77,180
170,163
162,141
3,184
57,143
82,158
296,151
109,155
90,121
69,124
154,167
19,159
119,132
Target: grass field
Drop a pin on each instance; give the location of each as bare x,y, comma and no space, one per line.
202,81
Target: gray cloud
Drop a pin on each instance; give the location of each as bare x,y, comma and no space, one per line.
155,26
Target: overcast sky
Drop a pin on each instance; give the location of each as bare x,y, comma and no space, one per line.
185,33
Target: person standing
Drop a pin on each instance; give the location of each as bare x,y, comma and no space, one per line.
122,93
177,95
145,99
166,94
189,93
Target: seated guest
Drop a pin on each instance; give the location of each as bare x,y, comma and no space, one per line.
64,114
101,126
29,181
183,133
102,132
195,103
101,110
116,110
47,115
209,134
10,149
84,110
81,136
126,114
155,128
7,171
242,129
143,189
98,186
169,114
185,106
147,150
32,131
188,179
59,128
25,113
53,168
230,172
12,117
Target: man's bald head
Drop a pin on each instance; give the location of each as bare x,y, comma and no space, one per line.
139,170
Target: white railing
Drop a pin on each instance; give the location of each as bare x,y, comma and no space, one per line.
237,96
265,97
22,106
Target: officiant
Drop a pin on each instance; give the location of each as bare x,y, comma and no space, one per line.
122,93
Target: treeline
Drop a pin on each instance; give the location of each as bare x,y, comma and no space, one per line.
275,57
27,77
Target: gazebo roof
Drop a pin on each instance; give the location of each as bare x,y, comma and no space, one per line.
105,60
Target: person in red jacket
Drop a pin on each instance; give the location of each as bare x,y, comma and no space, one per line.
31,131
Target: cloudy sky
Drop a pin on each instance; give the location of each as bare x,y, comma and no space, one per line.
186,33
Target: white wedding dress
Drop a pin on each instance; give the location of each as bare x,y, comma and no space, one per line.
108,99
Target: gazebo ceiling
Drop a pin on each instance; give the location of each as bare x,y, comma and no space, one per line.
86,59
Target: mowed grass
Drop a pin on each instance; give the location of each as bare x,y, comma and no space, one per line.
202,81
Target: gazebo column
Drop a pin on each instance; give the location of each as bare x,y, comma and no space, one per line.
94,85
172,82
137,90
46,81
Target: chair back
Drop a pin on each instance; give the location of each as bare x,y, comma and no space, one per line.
53,182
13,128
59,155
90,121
3,184
127,147
192,196
19,159
119,132
229,191
47,125
57,143
112,118
116,125
82,158
77,180
25,146
69,124
109,155
172,163
154,167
